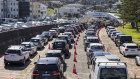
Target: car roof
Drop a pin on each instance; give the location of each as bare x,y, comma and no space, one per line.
96,44
124,35
112,57
67,32
62,35
99,53
54,51
130,44
92,37
25,42
35,38
58,40
48,60
15,47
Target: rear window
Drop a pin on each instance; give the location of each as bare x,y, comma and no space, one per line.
53,55
91,34
93,40
46,67
97,47
132,46
13,51
27,45
34,40
59,44
126,39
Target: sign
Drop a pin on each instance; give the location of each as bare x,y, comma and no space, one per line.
99,14
50,11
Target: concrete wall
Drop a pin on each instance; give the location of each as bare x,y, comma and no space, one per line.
16,36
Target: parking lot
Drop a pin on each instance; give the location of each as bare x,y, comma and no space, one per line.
16,71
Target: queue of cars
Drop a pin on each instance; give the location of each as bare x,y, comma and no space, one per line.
101,63
51,66
126,46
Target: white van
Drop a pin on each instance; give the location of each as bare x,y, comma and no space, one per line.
108,67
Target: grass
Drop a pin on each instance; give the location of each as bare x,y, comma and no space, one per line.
128,30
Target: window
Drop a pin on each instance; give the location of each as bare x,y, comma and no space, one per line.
11,9
11,3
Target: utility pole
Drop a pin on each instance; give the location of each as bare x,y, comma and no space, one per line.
32,10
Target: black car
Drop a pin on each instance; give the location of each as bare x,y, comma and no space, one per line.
48,68
61,45
123,39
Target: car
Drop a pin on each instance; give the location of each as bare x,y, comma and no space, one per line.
37,42
90,30
137,60
116,36
78,28
16,54
108,67
70,35
94,47
71,30
110,31
42,37
94,54
90,40
61,45
89,34
54,32
65,37
112,35
30,47
123,39
75,29
57,29
48,68
56,53
109,27
129,49
62,29
48,35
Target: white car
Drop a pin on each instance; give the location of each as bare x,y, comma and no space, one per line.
70,35
30,47
16,54
129,49
113,34
92,47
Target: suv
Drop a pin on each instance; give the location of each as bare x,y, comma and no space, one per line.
16,54
70,35
108,67
61,45
48,34
90,40
48,68
56,53
129,49
123,39
45,39
30,47
54,32
37,42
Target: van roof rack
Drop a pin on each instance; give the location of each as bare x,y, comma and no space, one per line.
118,63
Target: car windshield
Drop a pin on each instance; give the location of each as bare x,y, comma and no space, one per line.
93,40
53,55
97,47
132,46
59,44
46,67
34,40
13,51
91,34
113,73
65,38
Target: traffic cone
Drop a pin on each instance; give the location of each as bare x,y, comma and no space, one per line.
49,47
7,78
76,42
74,46
11,77
75,52
79,35
75,60
107,49
135,75
74,69
39,56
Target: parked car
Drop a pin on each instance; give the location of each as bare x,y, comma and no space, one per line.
61,45
110,31
30,47
16,54
137,59
116,36
129,49
44,38
37,42
113,34
48,68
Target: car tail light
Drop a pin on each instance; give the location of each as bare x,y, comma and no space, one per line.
61,58
57,73
138,49
5,53
87,43
126,49
39,43
20,54
35,73
30,49
90,51
113,67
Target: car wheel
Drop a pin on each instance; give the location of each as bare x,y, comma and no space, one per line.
23,62
28,58
85,50
124,54
90,76
6,64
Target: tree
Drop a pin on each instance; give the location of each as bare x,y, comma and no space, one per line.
130,12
